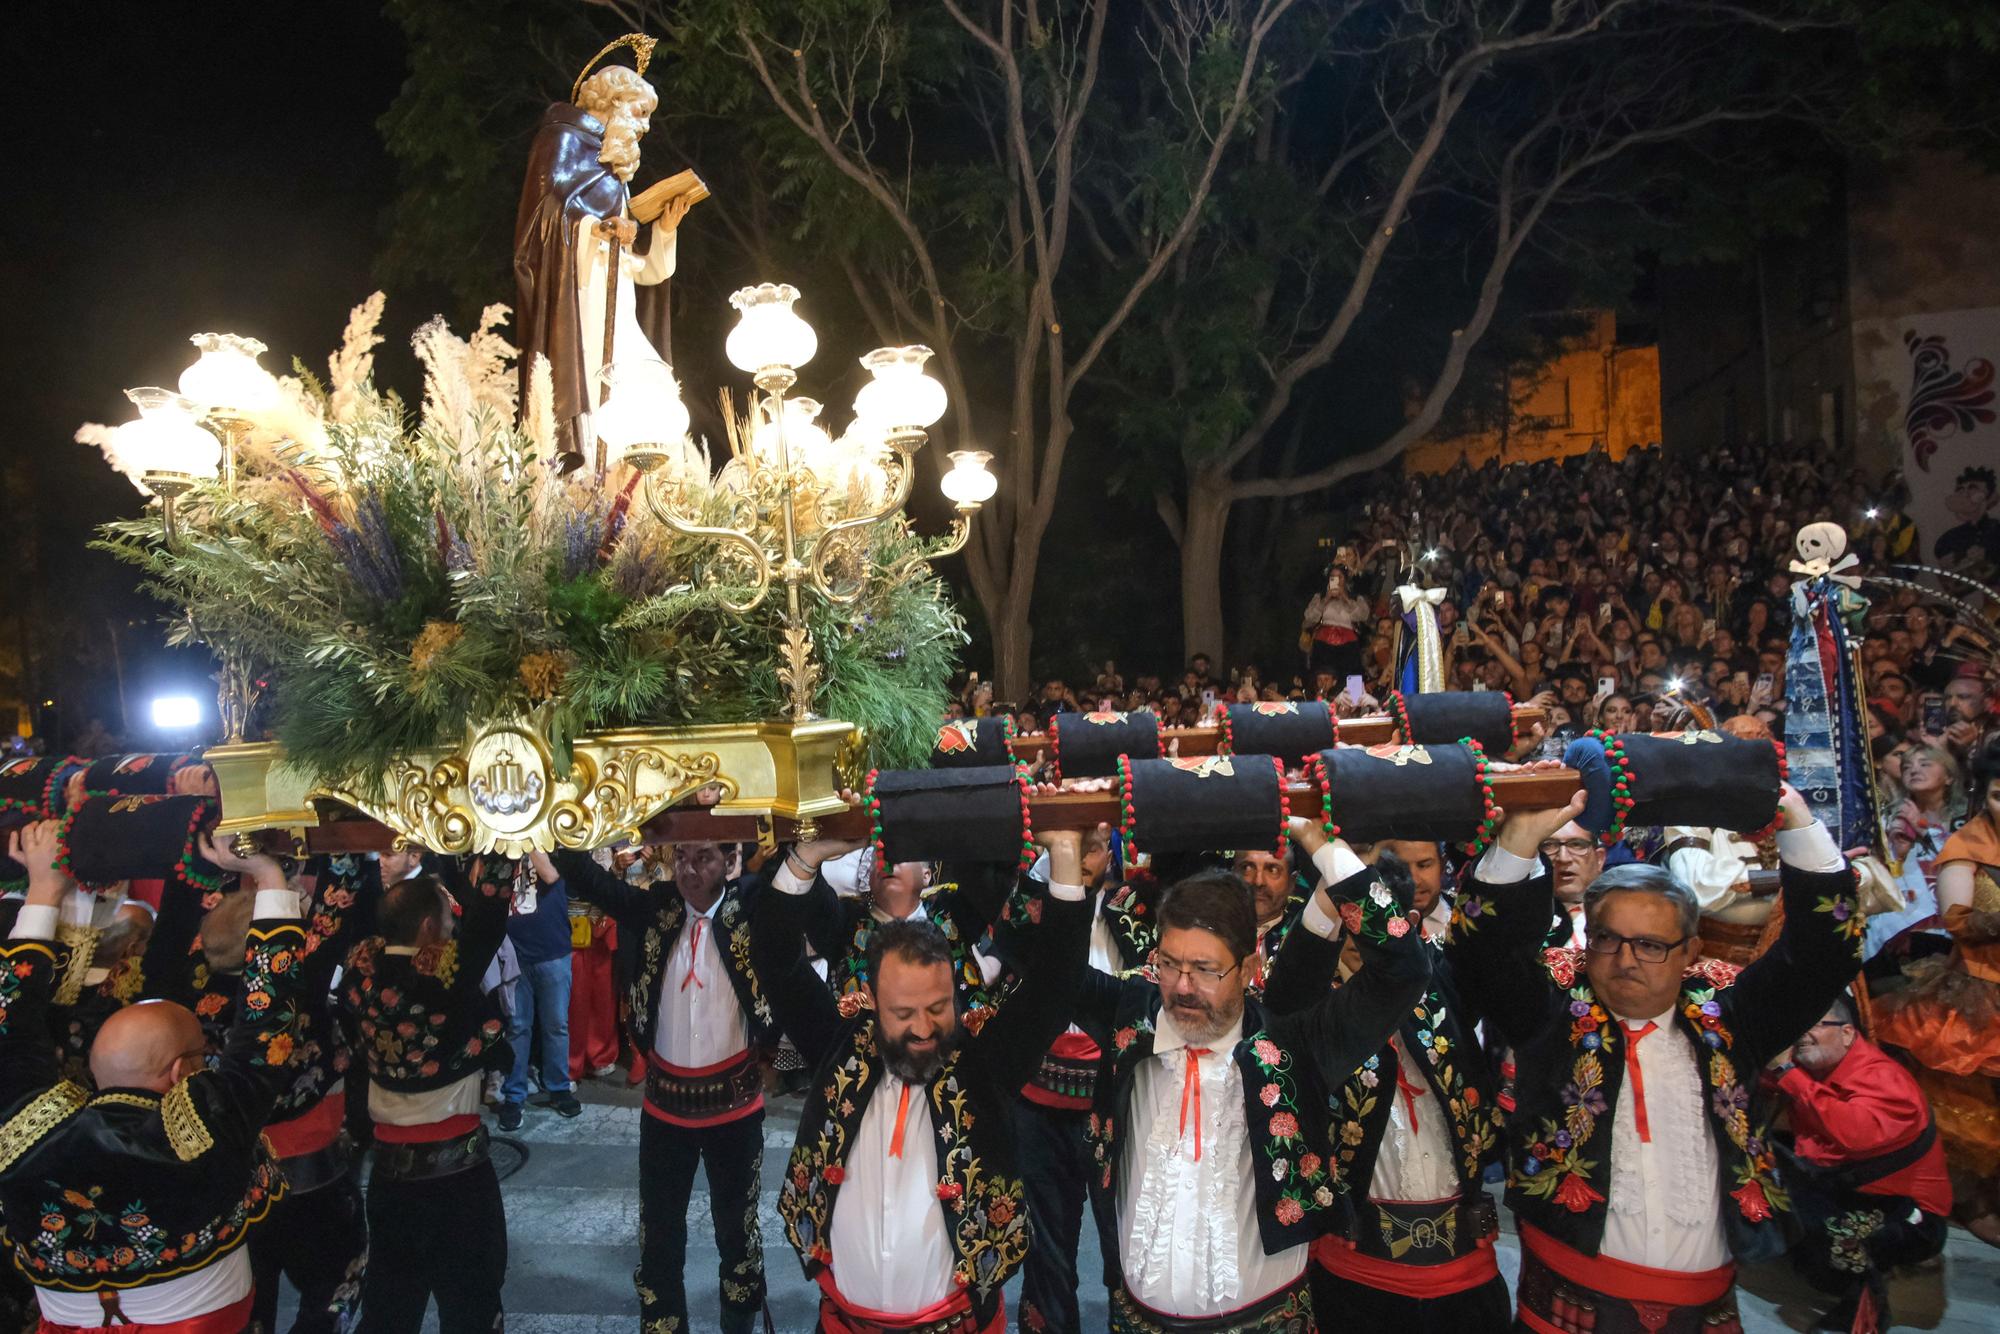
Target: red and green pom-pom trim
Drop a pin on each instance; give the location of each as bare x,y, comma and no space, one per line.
1128,814
1225,741
1778,815
62,842
1325,797
1401,713
873,804
1055,744
58,774
1513,728
1284,810
185,868
1029,851
1622,800
1489,814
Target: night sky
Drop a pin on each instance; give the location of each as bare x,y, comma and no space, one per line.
198,167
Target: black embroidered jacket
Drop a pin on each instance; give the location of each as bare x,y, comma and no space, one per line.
1571,1067
423,1022
1300,1040
1440,1035
125,1186
657,915
979,1188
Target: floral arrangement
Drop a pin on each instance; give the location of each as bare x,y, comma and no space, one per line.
394,578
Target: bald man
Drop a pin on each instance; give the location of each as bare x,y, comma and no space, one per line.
129,1207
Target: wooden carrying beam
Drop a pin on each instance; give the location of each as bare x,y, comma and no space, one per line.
1368,730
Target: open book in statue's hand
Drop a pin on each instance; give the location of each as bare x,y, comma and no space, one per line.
649,203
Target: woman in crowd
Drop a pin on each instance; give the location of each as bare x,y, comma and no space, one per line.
1948,1017
1930,804
1332,627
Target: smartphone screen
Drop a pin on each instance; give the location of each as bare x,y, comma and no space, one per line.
1354,690
1208,699
1606,684
1934,714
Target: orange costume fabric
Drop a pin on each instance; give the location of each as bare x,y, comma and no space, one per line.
1948,1017
593,1002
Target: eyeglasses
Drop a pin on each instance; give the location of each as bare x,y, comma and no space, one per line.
1169,969
1644,948
1575,847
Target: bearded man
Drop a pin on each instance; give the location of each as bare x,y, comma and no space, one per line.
574,206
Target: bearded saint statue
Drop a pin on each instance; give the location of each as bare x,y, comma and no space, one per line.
574,217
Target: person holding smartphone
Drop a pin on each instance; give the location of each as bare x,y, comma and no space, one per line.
1329,629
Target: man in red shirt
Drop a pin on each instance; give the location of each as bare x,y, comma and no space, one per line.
1868,1176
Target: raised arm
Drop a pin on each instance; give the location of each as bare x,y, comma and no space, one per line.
802,1003
1502,917
1818,950
1309,959
482,922
1349,1024
631,907
1057,957
232,1101
27,970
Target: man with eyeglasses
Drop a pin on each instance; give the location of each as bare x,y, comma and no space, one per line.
1575,857
1210,1127
1866,1173
1635,1172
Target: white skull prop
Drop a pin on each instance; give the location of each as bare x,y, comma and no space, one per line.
1821,544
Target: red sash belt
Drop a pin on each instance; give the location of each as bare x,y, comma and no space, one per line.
452,1127
310,1132
1658,1299
229,1319
953,1315
1335,635
1339,1256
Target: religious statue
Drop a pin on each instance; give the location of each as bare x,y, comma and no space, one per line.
575,232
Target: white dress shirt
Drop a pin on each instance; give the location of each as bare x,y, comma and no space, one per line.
1717,868
1664,1209
700,1022
1415,1163
1188,1236
891,1251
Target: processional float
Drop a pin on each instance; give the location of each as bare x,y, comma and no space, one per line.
536,613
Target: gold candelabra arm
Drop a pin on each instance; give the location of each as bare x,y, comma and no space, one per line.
752,551
842,536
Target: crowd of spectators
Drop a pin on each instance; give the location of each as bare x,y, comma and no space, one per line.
1612,592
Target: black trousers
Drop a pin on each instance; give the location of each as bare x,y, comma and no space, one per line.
1852,1238
1057,1169
444,1237
318,1240
1342,1303
668,1156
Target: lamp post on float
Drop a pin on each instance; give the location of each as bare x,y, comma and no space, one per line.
169,447
229,388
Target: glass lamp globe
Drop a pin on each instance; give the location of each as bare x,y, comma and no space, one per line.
969,484
642,421
167,443
900,397
804,438
769,334
226,378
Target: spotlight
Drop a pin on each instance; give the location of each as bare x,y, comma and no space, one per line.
174,712
1872,513
1432,554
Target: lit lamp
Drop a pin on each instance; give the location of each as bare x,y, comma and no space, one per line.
643,420
802,440
168,446
770,340
230,388
899,397
969,484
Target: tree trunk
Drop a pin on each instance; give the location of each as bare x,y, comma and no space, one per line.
1013,638
1201,567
